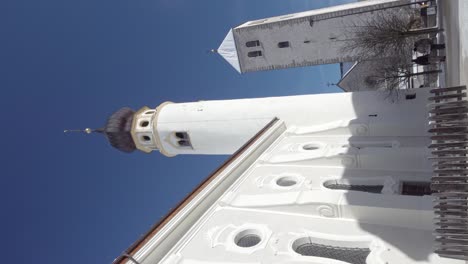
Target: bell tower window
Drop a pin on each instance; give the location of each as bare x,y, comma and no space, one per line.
183,139
254,43
283,44
184,143
253,54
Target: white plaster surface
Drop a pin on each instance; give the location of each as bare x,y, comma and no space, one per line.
349,138
455,23
396,228
222,127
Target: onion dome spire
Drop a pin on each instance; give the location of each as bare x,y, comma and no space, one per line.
117,130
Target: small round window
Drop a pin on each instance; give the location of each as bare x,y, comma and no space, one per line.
286,181
146,138
144,123
248,238
310,147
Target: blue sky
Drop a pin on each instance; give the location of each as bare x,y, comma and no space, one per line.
70,64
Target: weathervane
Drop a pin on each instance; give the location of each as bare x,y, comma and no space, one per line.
86,130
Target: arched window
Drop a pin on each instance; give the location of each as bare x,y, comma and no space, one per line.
144,123
254,43
283,44
352,255
253,54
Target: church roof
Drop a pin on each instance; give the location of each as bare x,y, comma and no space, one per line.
228,51
118,130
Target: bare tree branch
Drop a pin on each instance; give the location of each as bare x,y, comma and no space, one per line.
391,34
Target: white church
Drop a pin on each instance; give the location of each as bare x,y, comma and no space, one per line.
348,178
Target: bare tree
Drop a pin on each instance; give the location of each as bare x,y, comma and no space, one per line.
390,34
393,74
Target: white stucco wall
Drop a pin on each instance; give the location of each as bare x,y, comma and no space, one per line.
221,127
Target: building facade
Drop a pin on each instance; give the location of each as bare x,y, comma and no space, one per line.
330,178
302,39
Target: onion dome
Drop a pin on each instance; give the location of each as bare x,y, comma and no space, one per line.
118,130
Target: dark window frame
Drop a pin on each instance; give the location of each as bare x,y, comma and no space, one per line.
252,44
183,139
255,53
283,44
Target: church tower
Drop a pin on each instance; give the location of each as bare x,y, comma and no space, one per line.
327,178
302,39
221,127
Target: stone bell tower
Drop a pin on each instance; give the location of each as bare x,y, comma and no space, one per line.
302,39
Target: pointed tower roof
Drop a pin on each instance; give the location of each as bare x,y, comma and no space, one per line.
228,51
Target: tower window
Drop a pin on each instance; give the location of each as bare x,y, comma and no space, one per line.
184,143
283,44
149,112
253,54
254,43
144,123
183,139
181,135
146,138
